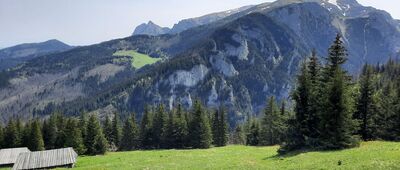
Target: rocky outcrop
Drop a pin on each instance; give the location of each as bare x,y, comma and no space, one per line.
188,78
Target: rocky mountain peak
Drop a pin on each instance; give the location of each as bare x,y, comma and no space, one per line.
150,29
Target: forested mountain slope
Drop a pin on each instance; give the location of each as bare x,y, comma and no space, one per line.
237,61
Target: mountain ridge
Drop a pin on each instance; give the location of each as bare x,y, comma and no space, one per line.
237,61
153,29
12,56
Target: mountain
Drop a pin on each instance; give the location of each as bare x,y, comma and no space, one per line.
12,56
152,29
238,61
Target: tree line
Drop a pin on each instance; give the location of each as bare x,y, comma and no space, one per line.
328,110
158,129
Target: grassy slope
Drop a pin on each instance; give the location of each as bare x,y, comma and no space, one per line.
371,155
138,60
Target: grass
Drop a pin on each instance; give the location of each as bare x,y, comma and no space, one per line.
138,60
370,155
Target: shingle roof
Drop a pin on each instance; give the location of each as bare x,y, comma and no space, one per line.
46,159
9,156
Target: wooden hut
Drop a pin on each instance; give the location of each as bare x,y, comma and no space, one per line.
9,156
47,159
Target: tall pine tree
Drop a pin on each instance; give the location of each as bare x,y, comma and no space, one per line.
61,136
200,130
146,129
159,124
181,128
36,138
74,136
366,107
116,131
313,117
337,123
12,137
238,136
130,134
26,134
215,127
272,124
108,130
95,141
169,131
253,134
299,130
83,119
50,132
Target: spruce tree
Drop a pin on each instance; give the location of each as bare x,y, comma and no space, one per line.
169,132
314,68
253,134
11,137
337,56
116,130
272,124
50,132
36,142
20,128
337,122
108,130
146,129
307,106
200,130
220,127
239,137
313,117
95,141
130,134
100,143
159,124
181,128
386,118
366,107
61,136
83,119
301,98
26,134
223,130
74,136
215,127
338,125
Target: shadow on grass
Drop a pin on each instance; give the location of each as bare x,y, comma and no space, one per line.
298,152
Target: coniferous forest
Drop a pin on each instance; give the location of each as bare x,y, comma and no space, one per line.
329,109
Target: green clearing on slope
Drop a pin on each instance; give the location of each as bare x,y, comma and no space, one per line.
138,60
371,155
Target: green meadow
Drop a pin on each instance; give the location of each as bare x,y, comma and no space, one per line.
370,155
138,60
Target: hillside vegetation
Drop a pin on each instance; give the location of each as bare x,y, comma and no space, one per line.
371,155
138,60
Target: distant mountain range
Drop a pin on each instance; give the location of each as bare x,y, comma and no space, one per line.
153,29
237,60
12,56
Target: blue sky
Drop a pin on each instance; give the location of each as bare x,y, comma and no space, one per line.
83,22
